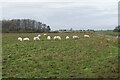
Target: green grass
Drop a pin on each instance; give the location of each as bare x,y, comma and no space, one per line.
109,33
95,57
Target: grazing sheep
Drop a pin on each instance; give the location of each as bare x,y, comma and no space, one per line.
75,37
87,36
26,39
57,37
48,37
117,36
19,38
45,34
36,38
67,37
38,35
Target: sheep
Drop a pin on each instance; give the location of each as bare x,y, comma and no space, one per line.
67,37
48,37
75,37
26,39
45,34
86,36
19,38
36,38
117,36
57,37
38,35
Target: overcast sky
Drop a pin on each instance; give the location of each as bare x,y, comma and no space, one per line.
82,14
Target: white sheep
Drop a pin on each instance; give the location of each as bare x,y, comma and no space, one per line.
48,37
26,39
75,37
36,38
67,37
117,36
19,38
39,36
57,37
86,36
45,34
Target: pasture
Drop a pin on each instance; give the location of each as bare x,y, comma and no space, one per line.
94,57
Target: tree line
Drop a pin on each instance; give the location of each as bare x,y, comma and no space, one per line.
23,26
117,29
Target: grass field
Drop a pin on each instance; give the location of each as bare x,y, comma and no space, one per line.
95,57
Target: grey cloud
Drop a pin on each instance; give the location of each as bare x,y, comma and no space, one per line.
64,15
